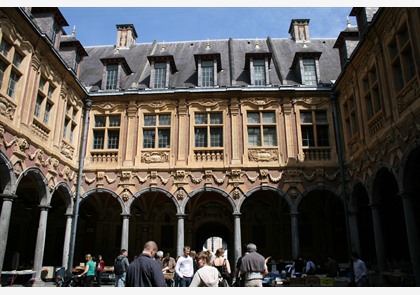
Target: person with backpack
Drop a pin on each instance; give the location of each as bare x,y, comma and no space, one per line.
120,268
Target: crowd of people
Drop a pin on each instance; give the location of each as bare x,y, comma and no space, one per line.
204,269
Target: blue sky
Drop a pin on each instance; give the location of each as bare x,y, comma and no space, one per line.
97,25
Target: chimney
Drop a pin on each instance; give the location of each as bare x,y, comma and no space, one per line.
299,30
126,36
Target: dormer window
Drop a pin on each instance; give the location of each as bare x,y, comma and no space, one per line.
208,65
207,73
306,65
309,72
113,66
111,77
160,75
259,72
162,65
258,64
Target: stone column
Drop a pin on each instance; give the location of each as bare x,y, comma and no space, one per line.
6,211
295,234
379,238
235,131
237,237
412,233
40,244
182,132
180,241
131,134
354,231
66,246
125,230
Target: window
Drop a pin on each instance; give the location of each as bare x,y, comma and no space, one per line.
402,61
314,128
44,100
111,77
159,125
10,72
261,129
309,72
208,130
160,75
371,95
2,70
259,72
350,117
69,123
106,132
207,73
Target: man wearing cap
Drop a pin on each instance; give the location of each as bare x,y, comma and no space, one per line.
253,267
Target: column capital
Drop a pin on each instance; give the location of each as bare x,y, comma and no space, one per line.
8,197
181,215
68,215
406,194
44,207
125,215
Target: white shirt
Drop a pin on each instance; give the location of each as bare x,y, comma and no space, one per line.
185,267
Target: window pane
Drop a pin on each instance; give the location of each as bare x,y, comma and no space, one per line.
200,137
37,111
164,120
149,120
73,127
98,139
13,81
164,136
307,136
111,77
100,121
306,117
216,118
254,136
51,91
114,121
148,139
322,133
2,70
17,59
216,137
66,123
113,138
253,118
321,117
259,71
269,117
48,107
309,73
207,73
4,48
200,118
160,75
270,138
41,83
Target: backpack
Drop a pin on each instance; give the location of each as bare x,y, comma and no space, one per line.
119,268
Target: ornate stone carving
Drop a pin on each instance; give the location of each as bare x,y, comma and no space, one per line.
7,109
154,157
67,150
263,155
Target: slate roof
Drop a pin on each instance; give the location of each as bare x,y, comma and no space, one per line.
232,58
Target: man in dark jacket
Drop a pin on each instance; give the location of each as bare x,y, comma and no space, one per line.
145,271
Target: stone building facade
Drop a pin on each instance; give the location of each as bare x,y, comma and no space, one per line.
107,147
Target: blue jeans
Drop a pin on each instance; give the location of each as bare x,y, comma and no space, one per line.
185,282
120,280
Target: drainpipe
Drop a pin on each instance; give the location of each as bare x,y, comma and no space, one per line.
337,136
88,105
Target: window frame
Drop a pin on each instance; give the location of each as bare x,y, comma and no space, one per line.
11,73
156,128
315,131
105,130
208,127
259,126
45,100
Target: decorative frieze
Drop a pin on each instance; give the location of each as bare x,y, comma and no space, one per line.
154,157
263,155
7,108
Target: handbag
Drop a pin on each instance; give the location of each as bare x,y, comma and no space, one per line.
224,271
